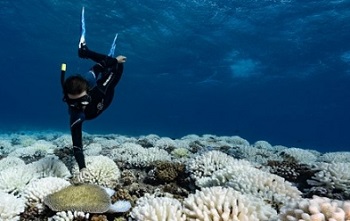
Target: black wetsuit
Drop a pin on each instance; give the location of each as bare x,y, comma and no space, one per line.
102,78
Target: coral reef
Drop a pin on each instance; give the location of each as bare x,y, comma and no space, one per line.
243,177
334,177
340,157
137,156
69,216
317,208
292,171
10,207
10,162
103,171
50,166
37,190
301,155
15,178
194,177
218,203
165,172
158,208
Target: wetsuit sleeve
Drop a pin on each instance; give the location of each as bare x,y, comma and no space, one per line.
76,124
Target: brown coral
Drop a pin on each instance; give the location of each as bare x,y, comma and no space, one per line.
99,218
292,171
165,172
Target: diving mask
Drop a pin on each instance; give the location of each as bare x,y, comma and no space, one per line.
78,102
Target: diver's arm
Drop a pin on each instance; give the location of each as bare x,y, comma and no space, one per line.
76,124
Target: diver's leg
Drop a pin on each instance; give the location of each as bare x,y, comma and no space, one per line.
108,82
84,52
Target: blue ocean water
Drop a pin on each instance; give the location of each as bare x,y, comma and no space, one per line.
274,70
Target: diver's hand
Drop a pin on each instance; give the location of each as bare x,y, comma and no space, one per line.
121,59
84,176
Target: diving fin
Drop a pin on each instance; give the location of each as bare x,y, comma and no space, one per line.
111,51
82,29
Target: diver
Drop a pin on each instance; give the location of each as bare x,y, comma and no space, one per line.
88,95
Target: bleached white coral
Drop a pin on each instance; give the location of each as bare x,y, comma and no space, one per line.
50,166
165,143
340,157
10,207
93,149
63,141
151,138
36,190
103,171
205,164
106,143
6,146
213,141
317,208
301,155
69,216
235,140
243,177
255,155
24,140
10,162
158,209
39,148
226,204
138,156
14,179
332,175
261,144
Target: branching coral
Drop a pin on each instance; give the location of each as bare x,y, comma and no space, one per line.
340,157
316,209
39,148
165,171
204,165
157,209
10,162
103,171
69,216
243,177
37,190
14,179
50,166
301,155
226,204
10,207
291,171
333,176
138,156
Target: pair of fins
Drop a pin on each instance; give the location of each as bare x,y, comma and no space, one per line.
83,42
83,32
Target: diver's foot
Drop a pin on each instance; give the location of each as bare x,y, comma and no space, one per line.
83,50
82,41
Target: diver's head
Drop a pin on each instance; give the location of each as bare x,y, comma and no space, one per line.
75,85
75,89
